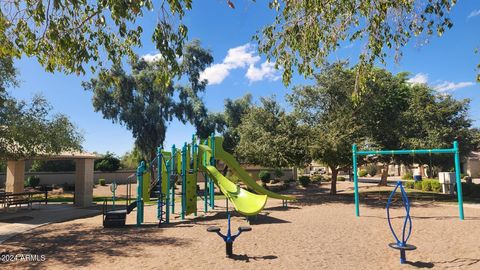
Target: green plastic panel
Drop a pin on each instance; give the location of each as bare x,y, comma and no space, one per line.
146,187
191,194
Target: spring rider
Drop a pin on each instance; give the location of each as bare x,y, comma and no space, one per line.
401,244
229,238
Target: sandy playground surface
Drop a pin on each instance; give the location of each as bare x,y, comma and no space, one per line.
317,232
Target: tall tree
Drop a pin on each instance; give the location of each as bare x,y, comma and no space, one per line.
434,120
270,137
29,129
334,123
381,112
146,100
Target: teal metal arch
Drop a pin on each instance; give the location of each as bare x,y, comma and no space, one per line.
455,151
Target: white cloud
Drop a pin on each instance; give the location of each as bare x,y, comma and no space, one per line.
474,13
441,86
419,78
451,86
239,57
151,57
348,46
266,70
215,74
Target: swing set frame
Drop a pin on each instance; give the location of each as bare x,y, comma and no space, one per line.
455,151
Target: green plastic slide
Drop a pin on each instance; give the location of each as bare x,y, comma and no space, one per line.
246,203
228,159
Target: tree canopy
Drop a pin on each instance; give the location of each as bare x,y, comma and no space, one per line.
67,34
107,163
327,109
29,129
271,137
147,99
305,33
394,115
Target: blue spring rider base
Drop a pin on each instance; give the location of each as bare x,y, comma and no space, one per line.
401,244
228,238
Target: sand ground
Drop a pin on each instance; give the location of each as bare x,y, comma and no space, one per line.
317,232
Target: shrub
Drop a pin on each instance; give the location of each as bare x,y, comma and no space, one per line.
304,180
101,182
327,179
278,173
409,184
407,176
371,169
426,185
291,180
108,163
264,176
32,181
317,179
417,185
471,189
340,178
436,186
362,173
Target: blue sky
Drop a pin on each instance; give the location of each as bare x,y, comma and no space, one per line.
447,64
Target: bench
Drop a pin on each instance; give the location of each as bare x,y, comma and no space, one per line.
8,199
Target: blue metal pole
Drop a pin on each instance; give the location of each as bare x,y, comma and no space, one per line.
458,180
140,171
355,179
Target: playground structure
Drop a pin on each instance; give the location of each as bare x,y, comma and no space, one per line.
455,151
401,244
184,166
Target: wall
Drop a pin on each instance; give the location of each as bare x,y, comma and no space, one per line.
121,177
58,178
473,167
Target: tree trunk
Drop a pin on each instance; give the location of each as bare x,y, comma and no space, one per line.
333,187
383,180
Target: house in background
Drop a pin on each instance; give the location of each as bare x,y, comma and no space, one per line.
471,166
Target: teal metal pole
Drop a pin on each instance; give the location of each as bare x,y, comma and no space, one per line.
459,180
212,162
140,171
167,197
406,152
159,179
195,164
184,180
174,171
205,193
355,179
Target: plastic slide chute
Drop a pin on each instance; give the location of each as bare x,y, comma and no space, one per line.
246,203
233,164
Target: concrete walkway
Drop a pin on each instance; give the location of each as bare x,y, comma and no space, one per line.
13,223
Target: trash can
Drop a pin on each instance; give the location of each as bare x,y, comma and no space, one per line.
417,178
